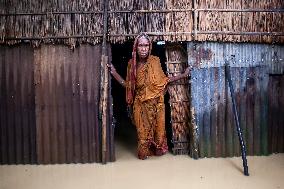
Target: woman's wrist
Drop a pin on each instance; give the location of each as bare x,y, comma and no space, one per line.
112,71
183,75
186,75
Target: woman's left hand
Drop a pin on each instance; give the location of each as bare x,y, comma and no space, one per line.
187,71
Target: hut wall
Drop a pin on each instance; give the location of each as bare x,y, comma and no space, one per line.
236,21
176,62
17,106
251,67
49,105
51,21
72,22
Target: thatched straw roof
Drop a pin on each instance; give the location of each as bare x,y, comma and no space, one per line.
72,22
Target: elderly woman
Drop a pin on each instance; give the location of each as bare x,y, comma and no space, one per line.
145,87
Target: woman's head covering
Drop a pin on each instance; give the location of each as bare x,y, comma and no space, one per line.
131,75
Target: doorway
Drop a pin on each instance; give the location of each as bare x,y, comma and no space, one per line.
125,132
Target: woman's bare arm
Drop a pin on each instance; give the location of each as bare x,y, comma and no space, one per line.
180,76
116,75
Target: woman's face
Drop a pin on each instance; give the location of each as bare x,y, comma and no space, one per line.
143,47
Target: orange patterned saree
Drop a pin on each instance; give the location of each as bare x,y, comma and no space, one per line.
149,108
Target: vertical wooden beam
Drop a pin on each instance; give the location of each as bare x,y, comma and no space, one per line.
104,85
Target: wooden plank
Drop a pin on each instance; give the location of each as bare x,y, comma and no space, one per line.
110,129
97,136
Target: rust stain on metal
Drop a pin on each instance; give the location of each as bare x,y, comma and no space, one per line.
200,54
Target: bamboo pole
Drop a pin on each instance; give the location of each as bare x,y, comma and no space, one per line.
241,10
53,37
144,11
50,13
104,86
236,116
149,33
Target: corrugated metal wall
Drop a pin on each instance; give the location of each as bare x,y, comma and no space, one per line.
17,107
50,105
67,101
251,65
276,113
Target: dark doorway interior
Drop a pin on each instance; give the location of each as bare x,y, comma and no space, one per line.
125,132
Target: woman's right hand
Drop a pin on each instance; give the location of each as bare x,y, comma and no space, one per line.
111,68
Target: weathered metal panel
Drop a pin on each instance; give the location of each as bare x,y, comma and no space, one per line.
214,114
251,65
67,97
210,54
49,105
17,108
276,112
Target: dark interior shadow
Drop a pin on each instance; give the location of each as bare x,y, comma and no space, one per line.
126,137
125,133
